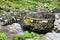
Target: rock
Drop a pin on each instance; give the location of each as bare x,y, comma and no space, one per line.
57,22
6,8
16,25
14,28
52,36
17,28
56,10
41,22
1,23
5,30
29,39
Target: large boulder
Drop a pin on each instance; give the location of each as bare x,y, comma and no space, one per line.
39,22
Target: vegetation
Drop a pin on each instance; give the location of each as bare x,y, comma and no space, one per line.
24,4
3,36
27,35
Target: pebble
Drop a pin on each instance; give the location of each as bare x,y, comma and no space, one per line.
29,39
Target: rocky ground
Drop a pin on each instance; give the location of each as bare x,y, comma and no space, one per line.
10,23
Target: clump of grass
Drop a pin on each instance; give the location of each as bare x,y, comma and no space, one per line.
3,36
27,35
14,36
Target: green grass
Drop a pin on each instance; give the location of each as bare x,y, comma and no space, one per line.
3,36
27,35
23,4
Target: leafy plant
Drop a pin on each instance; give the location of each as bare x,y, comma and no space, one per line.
27,34
3,36
14,36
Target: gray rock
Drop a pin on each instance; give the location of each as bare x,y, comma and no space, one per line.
29,39
17,28
56,10
1,23
52,36
57,22
5,8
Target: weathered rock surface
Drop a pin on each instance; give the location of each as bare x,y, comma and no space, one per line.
29,39
52,36
57,22
42,22
16,28
56,10
42,19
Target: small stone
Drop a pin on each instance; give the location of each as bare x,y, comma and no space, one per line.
29,39
17,28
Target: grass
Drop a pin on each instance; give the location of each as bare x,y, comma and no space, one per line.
3,36
24,4
27,35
